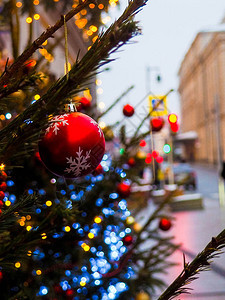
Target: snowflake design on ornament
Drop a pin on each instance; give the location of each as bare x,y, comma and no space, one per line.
79,163
99,129
56,121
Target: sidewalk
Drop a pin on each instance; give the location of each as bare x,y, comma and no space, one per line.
194,229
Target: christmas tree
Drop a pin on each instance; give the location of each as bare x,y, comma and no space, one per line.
66,228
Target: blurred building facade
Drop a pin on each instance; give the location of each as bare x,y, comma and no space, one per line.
202,97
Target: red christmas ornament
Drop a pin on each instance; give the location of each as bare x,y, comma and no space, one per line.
127,240
148,159
123,189
157,124
73,145
2,195
131,162
99,170
159,159
128,110
85,103
142,143
3,176
155,154
3,186
165,224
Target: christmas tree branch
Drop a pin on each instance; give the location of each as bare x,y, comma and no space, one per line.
19,130
200,263
115,102
9,74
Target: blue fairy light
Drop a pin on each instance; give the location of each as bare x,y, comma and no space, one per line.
12,198
67,272
42,192
10,183
38,210
123,174
63,192
84,269
84,214
30,192
76,225
113,196
128,230
97,282
107,240
8,116
99,202
43,290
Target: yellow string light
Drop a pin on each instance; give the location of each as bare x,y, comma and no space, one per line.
101,6
48,203
37,97
67,228
29,20
82,283
36,17
36,2
22,223
28,217
28,228
29,253
97,220
7,203
92,5
91,235
17,264
38,272
2,167
43,236
19,4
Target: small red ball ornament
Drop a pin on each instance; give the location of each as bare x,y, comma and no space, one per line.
2,195
159,159
165,224
131,162
73,145
155,154
85,103
123,189
3,176
128,110
3,186
99,170
156,124
127,240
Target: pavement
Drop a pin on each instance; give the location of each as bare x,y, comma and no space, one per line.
193,229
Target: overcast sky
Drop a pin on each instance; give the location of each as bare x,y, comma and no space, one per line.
169,27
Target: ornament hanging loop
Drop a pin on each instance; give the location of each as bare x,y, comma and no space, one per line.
66,48
71,107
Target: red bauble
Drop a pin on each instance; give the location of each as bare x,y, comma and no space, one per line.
131,162
128,110
2,195
3,186
3,176
155,154
157,124
85,103
165,224
127,240
142,143
123,189
73,145
159,159
99,170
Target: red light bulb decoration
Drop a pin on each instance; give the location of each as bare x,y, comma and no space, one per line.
174,127
73,145
155,154
157,124
128,110
159,159
99,170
